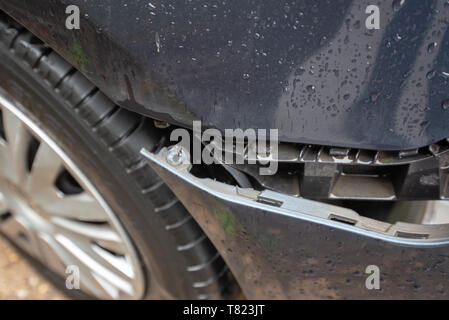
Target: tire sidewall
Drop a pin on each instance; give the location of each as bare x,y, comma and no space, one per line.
162,267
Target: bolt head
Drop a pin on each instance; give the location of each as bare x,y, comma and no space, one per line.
176,156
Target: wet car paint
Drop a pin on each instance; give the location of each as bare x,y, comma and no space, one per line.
308,68
277,254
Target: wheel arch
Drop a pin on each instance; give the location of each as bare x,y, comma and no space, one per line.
96,50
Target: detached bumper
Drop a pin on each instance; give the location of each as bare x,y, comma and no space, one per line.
280,246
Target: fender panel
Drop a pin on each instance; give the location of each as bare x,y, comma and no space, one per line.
283,247
309,68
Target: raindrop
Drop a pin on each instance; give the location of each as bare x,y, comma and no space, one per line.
346,96
431,47
323,40
431,74
310,88
445,104
300,71
397,37
374,96
158,42
397,5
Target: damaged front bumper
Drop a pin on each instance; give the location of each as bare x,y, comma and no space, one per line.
284,247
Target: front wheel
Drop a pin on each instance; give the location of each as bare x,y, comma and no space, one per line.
75,193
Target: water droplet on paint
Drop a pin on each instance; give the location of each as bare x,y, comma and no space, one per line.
431,47
445,104
397,5
310,88
431,74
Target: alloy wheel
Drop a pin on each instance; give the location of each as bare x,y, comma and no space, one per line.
52,211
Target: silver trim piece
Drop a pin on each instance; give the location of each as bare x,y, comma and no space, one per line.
312,211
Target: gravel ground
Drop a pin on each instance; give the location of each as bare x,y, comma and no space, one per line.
19,280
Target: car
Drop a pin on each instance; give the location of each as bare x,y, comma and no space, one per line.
228,149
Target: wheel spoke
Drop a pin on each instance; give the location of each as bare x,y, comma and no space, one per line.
77,207
17,229
90,232
5,160
51,251
18,138
108,288
115,261
82,253
103,243
44,171
87,279
3,205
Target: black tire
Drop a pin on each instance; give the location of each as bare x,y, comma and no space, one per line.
104,141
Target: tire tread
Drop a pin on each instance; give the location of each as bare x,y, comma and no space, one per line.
124,133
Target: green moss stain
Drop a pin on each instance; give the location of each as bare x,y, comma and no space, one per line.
227,221
268,244
77,55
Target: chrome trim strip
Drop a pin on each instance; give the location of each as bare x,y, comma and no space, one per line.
307,210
